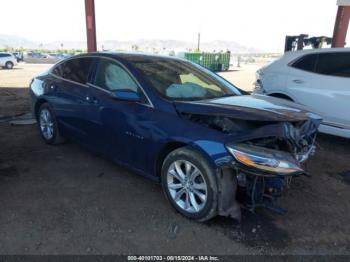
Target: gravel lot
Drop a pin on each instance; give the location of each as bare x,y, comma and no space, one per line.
66,200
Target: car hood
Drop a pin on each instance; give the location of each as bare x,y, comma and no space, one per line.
248,107
257,119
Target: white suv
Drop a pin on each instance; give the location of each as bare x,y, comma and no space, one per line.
7,60
316,78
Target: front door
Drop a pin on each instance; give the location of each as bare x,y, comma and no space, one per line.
117,128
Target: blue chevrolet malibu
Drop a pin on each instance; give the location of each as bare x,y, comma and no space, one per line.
213,147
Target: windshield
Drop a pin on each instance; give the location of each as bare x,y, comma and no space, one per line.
179,80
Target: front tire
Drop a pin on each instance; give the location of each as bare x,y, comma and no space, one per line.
189,184
47,124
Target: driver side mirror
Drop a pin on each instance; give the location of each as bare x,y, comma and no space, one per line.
126,95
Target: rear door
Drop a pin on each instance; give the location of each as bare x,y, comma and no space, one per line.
334,81
71,95
322,82
301,82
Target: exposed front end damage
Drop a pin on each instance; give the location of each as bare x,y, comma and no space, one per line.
266,154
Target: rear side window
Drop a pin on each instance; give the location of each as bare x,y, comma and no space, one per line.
307,63
76,70
111,76
334,64
5,55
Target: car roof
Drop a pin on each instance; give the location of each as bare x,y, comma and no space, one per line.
295,54
132,57
292,55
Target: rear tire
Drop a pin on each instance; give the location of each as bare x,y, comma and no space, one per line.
189,184
9,65
47,124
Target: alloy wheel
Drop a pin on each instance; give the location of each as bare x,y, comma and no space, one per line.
46,124
9,65
187,186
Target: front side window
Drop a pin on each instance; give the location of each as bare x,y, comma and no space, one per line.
179,80
334,64
306,63
112,77
76,69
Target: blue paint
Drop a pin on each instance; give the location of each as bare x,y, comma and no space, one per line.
134,128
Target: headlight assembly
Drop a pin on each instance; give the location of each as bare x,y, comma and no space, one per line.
265,159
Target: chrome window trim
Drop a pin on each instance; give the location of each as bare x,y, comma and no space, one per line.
109,92
97,87
67,80
149,104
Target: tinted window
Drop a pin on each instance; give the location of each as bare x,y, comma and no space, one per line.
75,69
111,76
335,64
5,55
178,80
306,63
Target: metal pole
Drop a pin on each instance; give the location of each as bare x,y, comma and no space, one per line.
90,25
199,41
341,26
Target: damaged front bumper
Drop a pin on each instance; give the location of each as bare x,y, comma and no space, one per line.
262,189
250,187
263,167
241,186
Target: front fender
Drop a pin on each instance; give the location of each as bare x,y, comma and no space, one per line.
226,180
215,152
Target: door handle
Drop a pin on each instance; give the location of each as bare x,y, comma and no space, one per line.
298,81
92,100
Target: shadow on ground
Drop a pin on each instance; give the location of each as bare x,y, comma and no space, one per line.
14,101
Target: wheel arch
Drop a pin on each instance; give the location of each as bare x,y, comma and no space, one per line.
202,149
164,151
38,104
282,95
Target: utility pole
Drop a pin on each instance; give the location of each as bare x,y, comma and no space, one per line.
90,25
341,23
199,41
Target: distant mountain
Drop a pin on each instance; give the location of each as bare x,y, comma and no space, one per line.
7,41
65,45
177,45
142,44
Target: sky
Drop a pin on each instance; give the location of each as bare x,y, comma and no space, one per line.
253,23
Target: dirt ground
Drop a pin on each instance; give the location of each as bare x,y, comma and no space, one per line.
66,200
